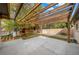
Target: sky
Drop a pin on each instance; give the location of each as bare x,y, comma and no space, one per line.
44,4
53,7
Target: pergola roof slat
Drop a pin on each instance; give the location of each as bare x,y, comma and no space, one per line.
53,19
55,12
35,6
42,10
56,9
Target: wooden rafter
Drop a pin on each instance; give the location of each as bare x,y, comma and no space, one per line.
35,6
59,11
52,11
13,10
9,10
4,13
75,11
69,7
56,9
42,10
52,19
21,4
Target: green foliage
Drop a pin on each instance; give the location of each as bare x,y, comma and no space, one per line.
56,25
27,26
8,25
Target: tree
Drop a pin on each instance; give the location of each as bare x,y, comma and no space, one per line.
8,25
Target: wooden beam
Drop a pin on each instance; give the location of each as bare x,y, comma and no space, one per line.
53,19
62,6
75,11
42,10
4,13
21,4
70,18
53,16
56,9
9,9
35,6
68,28
55,13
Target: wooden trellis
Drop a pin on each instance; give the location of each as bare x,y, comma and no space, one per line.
59,14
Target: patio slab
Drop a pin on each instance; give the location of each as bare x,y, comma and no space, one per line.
39,46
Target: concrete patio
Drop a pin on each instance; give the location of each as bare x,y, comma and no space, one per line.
39,46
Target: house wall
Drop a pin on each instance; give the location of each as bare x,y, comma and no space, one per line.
51,32
76,31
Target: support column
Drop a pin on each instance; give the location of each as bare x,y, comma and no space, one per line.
40,29
68,30
0,30
1,43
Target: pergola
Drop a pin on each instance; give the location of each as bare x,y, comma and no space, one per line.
35,13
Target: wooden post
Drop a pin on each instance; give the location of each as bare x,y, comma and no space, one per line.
40,29
68,28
